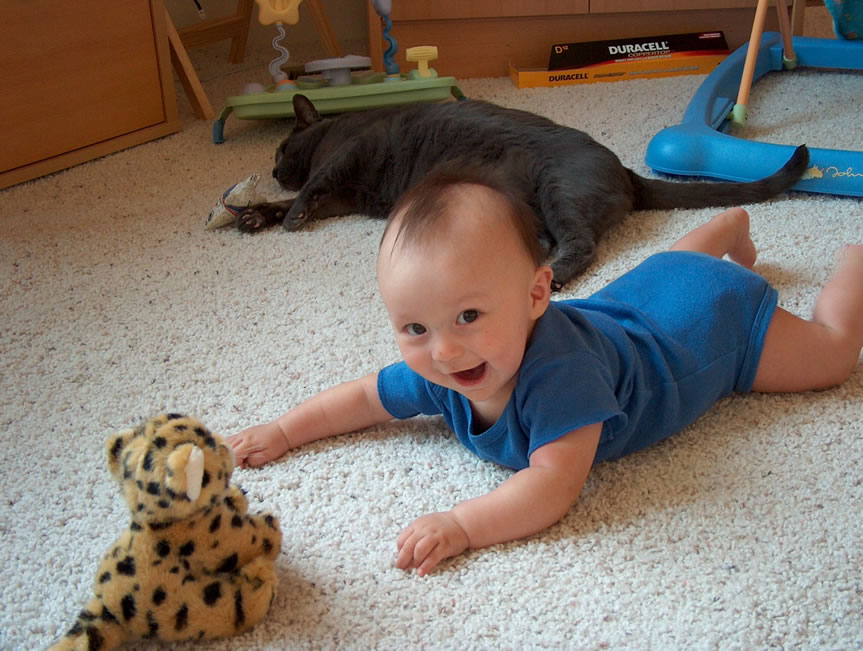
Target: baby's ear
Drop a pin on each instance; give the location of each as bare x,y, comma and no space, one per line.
540,292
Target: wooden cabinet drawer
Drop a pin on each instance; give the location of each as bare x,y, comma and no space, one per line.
80,78
449,10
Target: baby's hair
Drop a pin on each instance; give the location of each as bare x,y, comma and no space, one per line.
427,205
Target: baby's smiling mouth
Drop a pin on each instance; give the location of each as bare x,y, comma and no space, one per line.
471,375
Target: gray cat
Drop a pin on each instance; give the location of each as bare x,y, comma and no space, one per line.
362,162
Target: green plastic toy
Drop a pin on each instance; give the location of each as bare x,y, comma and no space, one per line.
339,84
357,96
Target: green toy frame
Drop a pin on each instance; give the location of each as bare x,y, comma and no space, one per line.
336,99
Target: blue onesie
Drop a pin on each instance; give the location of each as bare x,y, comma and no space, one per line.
646,356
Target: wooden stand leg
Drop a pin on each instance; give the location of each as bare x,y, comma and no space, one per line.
739,113
186,72
376,35
785,28
234,27
798,13
241,34
325,29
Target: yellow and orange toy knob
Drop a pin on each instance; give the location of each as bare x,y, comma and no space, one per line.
422,54
278,11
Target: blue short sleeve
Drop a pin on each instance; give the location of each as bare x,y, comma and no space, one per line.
582,391
405,394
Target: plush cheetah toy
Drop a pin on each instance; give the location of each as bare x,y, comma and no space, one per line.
193,563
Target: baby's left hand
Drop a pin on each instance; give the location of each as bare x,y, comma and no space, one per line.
428,540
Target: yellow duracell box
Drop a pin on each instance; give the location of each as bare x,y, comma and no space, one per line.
630,58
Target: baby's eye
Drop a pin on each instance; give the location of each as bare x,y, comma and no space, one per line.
415,329
468,316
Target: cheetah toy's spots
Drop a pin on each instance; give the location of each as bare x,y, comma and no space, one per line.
193,563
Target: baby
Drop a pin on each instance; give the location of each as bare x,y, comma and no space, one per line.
549,388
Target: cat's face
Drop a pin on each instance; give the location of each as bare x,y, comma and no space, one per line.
294,159
299,153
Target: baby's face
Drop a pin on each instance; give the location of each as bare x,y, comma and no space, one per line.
463,306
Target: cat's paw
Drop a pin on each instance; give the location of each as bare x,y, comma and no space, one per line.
302,211
295,222
250,221
260,216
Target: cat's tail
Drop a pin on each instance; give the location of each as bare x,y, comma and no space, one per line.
659,195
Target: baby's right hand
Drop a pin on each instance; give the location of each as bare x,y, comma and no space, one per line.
258,445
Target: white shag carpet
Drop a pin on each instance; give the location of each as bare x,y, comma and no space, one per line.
744,531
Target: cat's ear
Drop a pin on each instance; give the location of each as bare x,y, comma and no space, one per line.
305,111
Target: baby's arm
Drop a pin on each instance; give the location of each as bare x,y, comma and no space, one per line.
528,502
341,409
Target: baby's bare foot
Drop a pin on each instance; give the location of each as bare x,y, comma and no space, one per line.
741,249
840,304
852,255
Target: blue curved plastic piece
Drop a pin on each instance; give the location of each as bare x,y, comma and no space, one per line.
391,67
219,131
698,146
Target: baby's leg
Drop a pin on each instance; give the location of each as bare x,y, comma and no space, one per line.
725,234
800,355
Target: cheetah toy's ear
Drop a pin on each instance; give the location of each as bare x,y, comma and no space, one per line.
114,447
186,470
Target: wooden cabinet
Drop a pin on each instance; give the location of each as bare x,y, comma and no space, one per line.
635,6
80,79
478,38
